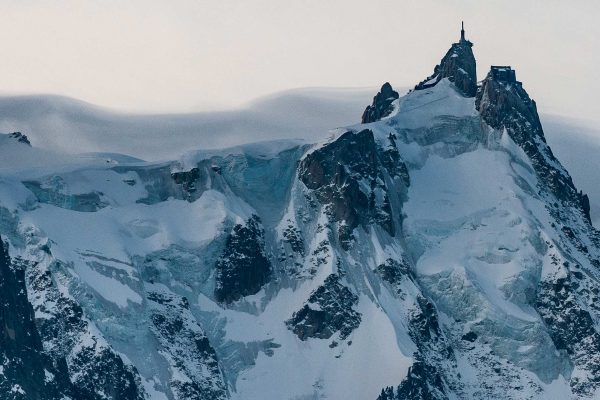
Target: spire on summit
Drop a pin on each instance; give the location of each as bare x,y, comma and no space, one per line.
458,65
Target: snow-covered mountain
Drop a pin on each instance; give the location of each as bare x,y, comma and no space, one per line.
438,250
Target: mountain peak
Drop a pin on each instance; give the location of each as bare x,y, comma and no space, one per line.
19,137
382,104
501,99
458,65
504,104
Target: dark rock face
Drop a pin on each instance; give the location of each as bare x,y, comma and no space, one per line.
27,372
425,326
329,310
96,371
104,375
422,383
347,177
292,251
394,272
435,361
387,394
469,337
506,105
19,137
187,179
572,329
293,237
243,268
382,104
186,348
392,161
458,65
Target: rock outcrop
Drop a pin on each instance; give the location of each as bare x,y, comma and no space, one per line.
196,374
504,104
27,372
96,370
458,65
382,104
329,310
19,137
422,383
243,268
347,176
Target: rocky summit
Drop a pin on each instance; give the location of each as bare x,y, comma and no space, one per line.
437,250
458,66
382,104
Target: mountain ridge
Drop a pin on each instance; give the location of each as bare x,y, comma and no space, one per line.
438,250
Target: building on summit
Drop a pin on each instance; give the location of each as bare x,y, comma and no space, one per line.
504,73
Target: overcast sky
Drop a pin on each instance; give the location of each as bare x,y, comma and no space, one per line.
179,56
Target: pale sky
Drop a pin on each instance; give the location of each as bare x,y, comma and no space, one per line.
184,55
